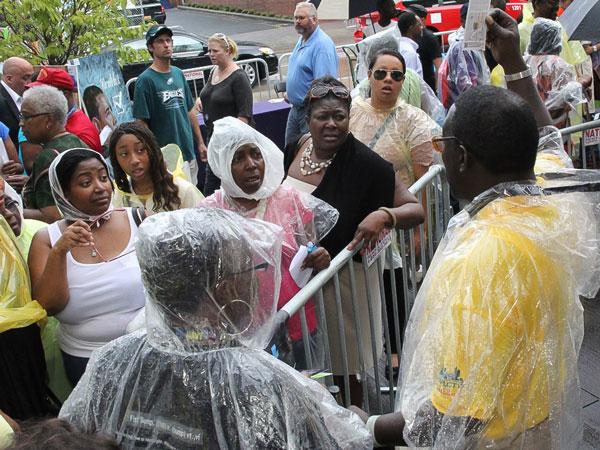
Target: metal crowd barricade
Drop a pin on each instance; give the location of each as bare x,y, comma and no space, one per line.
378,383
576,129
195,74
347,55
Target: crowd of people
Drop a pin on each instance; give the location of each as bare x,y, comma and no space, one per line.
144,311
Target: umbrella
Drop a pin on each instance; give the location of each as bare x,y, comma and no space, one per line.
345,9
580,20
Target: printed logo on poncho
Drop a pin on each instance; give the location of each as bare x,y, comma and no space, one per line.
449,382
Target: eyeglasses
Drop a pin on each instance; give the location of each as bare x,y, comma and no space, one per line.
439,142
322,90
23,117
380,74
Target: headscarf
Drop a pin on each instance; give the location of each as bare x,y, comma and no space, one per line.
67,209
230,134
545,37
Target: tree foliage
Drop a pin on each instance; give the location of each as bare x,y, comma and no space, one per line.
55,31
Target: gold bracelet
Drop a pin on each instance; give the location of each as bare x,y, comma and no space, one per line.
390,213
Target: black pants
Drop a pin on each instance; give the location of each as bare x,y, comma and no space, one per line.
24,393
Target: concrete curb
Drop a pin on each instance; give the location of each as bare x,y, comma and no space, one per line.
231,13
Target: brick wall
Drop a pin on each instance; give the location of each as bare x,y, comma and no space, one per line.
279,7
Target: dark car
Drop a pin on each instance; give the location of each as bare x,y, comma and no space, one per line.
138,11
191,51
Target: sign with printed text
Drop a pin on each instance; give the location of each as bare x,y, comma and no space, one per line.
384,241
475,27
591,137
191,75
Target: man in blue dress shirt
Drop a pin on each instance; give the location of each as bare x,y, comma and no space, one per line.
313,57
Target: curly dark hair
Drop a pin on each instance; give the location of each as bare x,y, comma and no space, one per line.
166,192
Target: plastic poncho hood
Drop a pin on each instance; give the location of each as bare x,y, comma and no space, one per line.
172,387
545,37
211,278
497,325
229,134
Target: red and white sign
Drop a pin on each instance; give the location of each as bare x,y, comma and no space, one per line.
591,137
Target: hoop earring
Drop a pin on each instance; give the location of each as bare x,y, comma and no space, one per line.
230,322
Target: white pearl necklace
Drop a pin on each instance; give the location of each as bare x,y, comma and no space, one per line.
308,166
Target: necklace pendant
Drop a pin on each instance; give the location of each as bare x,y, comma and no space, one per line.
94,253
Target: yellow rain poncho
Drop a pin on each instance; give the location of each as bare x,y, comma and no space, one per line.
17,310
497,325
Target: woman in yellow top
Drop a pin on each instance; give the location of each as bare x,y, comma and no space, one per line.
141,174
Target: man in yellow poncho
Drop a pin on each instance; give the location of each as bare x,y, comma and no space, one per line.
490,357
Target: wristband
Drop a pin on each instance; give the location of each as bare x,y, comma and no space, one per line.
518,76
371,427
389,213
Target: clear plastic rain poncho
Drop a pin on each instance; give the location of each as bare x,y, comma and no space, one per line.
305,219
198,379
415,91
490,358
556,80
551,155
461,69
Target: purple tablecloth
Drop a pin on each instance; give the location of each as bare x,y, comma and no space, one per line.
270,118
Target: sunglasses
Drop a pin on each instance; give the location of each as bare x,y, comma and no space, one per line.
380,74
321,91
439,142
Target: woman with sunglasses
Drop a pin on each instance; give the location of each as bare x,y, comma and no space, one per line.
251,169
227,92
400,133
333,165
83,268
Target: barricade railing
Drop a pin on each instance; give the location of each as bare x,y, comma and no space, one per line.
197,74
585,140
351,302
347,55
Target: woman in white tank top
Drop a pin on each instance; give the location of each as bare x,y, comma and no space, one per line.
84,268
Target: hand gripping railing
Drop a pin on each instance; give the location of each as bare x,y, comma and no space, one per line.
367,285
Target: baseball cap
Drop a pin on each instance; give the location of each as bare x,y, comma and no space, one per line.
51,76
419,10
155,30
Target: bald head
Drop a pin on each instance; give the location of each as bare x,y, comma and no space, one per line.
16,73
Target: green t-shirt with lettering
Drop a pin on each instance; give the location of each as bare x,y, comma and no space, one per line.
163,101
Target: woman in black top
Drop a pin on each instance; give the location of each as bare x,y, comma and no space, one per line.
227,92
331,164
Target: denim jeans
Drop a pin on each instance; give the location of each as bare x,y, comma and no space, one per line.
296,124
